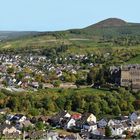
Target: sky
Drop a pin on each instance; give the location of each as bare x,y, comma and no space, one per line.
52,15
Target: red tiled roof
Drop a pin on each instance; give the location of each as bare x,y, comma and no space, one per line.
76,116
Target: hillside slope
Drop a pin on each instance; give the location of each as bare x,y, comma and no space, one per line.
113,27
8,35
111,30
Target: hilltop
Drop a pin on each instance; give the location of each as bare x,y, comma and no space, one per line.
110,22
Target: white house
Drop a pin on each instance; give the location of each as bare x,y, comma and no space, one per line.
8,129
70,123
90,127
91,118
117,130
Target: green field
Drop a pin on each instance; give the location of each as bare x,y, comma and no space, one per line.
135,60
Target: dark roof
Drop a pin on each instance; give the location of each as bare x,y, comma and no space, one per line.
3,126
83,119
125,124
122,118
117,126
90,123
59,115
16,117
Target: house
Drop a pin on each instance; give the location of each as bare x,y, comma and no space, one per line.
8,129
134,116
90,126
112,122
117,130
102,123
136,126
99,132
18,118
70,123
56,119
26,123
117,127
126,125
35,84
8,118
76,116
86,118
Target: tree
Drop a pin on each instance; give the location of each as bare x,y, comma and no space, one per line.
34,112
49,104
19,76
80,82
108,132
13,103
92,76
39,125
116,110
10,70
5,83
60,101
94,108
68,105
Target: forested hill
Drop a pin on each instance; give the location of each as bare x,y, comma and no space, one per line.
111,27
112,31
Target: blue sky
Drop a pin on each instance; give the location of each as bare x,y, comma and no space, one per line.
47,15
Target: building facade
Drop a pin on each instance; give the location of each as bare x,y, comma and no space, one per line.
130,76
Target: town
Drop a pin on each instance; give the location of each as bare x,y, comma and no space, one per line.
24,73
64,125
69,70
31,72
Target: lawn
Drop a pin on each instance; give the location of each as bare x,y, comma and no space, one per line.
135,60
82,91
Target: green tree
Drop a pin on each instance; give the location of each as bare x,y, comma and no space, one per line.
94,108
10,70
39,126
49,104
116,110
108,132
60,101
33,111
